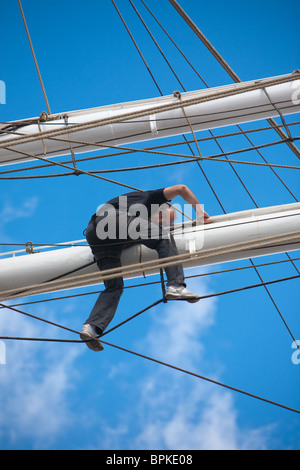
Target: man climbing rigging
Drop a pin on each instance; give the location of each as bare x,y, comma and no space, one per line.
137,217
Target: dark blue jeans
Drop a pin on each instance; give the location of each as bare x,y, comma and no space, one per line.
107,302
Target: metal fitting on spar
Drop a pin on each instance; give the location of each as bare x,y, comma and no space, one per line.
153,124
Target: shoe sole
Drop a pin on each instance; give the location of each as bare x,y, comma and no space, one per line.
191,300
93,343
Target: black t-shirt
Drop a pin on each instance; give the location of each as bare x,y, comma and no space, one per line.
124,203
126,207
129,204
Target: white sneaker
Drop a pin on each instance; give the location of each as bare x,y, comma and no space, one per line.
88,332
181,293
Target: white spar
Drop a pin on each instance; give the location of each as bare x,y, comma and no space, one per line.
138,121
229,237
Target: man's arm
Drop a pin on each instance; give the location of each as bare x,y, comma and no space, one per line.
188,196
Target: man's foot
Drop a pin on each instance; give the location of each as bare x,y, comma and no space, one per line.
90,336
181,293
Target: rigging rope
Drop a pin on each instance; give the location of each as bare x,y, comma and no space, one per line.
217,142
213,381
274,123
213,158
270,121
126,350
214,95
135,188
226,66
179,369
136,46
137,268
234,76
203,378
34,58
210,273
89,173
241,181
130,150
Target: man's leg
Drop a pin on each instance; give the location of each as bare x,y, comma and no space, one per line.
165,246
176,289
105,306
157,238
175,273
107,302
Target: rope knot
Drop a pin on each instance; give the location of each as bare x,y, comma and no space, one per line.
43,117
30,248
177,94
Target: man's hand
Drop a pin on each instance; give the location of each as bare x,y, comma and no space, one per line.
206,218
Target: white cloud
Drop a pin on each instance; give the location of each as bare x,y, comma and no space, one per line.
177,411
11,211
179,330
173,409
35,383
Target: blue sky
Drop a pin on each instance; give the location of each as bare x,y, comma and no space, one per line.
64,396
